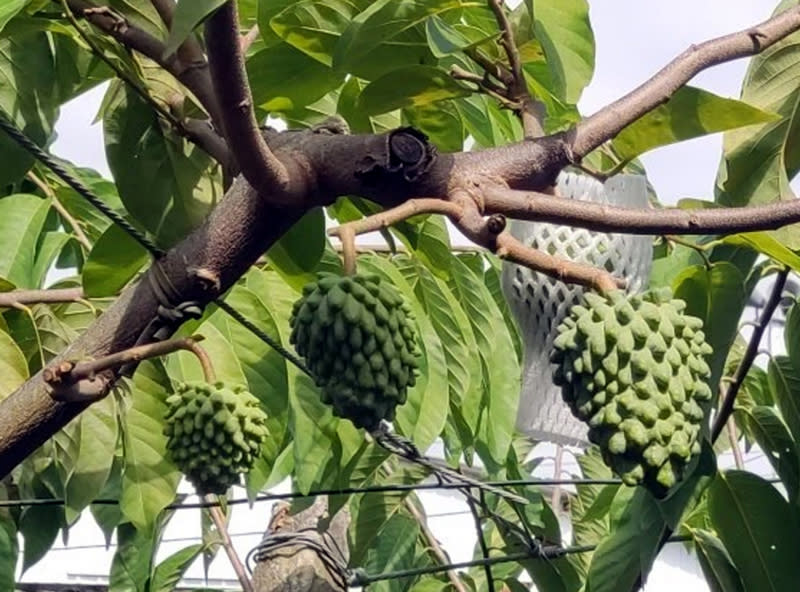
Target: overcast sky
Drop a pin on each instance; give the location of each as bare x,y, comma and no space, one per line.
634,39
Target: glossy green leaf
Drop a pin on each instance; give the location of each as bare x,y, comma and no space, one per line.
188,15
9,9
422,85
784,384
716,296
314,26
359,121
164,181
97,445
630,549
266,12
393,549
168,573
758,528
22,218
39,526
113,261
296,254
107,517
766,244
423,415
758,162
791,333
563,29
50,247
149,480
140,14
720,573
30,102
8,552
690,113
13,366
441,122
767,429
283,78
381,22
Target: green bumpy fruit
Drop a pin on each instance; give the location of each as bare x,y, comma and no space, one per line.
214,433
633,368
357,336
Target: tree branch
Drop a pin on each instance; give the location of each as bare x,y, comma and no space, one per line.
218,518
610,120
193,75
258,164
16,298
80,236
529,110
540,207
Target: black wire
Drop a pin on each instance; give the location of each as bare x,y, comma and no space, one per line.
342,491
29,145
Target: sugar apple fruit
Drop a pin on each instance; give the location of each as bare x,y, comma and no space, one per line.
632,367
357,336
214,433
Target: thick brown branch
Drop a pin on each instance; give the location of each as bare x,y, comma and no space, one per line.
258,164
610,120
540,207
17,298
193,75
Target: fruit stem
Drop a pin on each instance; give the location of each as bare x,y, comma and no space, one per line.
348,237
202,356
222,528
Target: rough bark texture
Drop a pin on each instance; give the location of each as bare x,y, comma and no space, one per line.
299,568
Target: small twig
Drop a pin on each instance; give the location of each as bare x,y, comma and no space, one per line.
499,71
750,354
80,236
348,237
66,378
262,169
202,356
531,112
17,298
485,85
540,207
436,547
406,210
222,528
249,38
734,440
701,250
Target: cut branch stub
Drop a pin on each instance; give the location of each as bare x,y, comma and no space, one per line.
408,152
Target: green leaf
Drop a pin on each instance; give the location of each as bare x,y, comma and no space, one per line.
441,122
187,16
314,26
22,218
766,428
283,78
767,244
296,254
717,297
630,549
720,573
791,333
164,181
562,28
50,247
423,415
13,366
168,573
131,566
758,162
421,85
758,528
393,550
114,259
98,442
29,102
149,479
381,23
499,360
784,384
690,113
9,552
9,9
